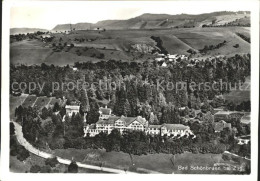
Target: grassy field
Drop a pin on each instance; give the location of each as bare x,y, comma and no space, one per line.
41,102
53,101
15,101
164,163
238,96
29,52
17,166
115,44
29,101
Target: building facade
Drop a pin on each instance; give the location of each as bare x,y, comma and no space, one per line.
71,109
135,123
114,122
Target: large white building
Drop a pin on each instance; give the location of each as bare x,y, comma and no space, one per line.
169,130
106,124
114,122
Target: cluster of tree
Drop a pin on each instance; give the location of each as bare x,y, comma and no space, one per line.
212,47
20,37
16,149
49,167
159,44
244,37
56,134
133,88
83,40
51,131
191,51
60,46
243,106
138,143
243,22
47,39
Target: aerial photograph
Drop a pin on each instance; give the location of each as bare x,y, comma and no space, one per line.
120,88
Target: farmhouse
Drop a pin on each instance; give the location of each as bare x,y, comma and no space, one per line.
71,109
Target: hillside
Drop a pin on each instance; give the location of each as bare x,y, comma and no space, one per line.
14,31
127,45
161,21
78,26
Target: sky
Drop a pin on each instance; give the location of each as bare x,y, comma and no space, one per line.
47,15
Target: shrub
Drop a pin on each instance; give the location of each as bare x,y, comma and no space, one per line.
52,162
46,169
226,157
236,46
12,131
35,169
73,167
23,154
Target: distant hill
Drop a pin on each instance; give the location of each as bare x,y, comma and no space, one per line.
14,31
159,21
78,26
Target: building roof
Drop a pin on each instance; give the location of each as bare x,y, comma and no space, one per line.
110,120
128,120
176,126
141,120
155,126
164,64
105,111
72,107
223,112
246,119
219,126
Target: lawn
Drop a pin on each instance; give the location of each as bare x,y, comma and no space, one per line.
53,101
163,163
29,100
41,102
17,166
237,96
118,42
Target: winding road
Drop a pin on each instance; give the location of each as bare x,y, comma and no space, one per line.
30,148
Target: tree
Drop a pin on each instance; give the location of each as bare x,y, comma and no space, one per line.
45,113
45,169
51,161
73,167
35,169
56,107
84,107
93,115
12,130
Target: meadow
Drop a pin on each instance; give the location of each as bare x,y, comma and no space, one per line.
165,163
117,44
